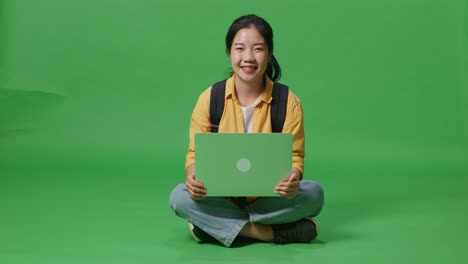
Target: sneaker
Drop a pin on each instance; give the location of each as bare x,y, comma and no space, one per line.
199,235
302,231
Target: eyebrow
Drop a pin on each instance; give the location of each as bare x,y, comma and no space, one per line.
255,44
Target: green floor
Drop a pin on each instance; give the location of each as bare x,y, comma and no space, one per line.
372,215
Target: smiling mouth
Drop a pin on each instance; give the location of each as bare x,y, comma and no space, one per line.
248,69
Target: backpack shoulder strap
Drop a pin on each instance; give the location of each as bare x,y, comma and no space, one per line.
277,110
278,106
217,104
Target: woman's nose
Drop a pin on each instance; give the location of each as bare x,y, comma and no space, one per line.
248,56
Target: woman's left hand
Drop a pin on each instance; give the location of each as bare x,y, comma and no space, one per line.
290,185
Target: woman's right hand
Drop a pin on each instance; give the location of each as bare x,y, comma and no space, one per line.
195,188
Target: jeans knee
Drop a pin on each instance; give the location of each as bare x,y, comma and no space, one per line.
178,199
313,195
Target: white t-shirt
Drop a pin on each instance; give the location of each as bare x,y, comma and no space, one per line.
248,115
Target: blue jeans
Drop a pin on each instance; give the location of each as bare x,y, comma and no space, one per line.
221,218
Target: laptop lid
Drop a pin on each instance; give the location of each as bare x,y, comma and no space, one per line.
242,164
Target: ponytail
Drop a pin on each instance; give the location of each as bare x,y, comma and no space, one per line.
273,70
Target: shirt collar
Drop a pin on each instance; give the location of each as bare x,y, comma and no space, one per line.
265,96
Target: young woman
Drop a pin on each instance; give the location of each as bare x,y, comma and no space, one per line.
248,93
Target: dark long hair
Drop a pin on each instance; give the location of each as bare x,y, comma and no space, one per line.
273,69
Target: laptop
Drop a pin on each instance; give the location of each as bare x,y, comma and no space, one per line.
242,164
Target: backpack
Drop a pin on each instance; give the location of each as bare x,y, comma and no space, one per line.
277,110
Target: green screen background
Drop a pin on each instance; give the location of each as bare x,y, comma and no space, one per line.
96,97
382,83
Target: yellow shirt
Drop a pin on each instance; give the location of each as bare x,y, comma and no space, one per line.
232,120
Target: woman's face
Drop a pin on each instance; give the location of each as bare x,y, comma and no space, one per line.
249,55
